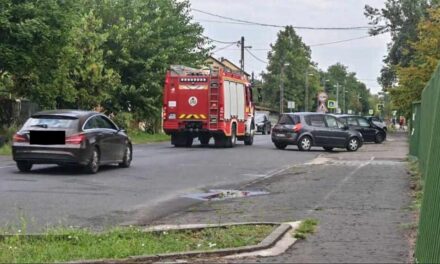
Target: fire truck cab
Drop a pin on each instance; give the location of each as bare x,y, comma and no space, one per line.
207,104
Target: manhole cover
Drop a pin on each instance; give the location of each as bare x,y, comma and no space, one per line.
216,195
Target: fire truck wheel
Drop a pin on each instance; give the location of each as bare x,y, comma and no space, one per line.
204,140
188,141
249,140
232,140
220,141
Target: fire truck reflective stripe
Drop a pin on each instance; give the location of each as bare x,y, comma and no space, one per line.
189,116
203,116
193,87
182,116
196,116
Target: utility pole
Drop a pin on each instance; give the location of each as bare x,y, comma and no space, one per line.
242,53
281,91
306,98
337,95
242,47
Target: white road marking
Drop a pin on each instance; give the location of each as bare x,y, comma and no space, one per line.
339,186
7,166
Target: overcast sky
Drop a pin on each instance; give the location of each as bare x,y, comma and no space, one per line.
364,56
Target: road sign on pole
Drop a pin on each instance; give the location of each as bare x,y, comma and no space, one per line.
371,111
331,104
291,105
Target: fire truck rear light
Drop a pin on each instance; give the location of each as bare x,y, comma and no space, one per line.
297,127
19,138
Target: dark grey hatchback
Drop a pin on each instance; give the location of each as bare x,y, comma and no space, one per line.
314,129
71,137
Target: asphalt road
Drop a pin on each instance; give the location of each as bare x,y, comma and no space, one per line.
160,175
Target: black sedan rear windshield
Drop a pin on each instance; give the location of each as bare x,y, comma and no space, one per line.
52,122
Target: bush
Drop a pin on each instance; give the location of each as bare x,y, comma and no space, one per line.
6,134
124,120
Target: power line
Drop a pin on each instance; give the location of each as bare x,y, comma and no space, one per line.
225,47
281,26
222,42
255,57
341,41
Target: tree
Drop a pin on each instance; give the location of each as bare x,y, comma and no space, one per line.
144,39
289,62
33,35
400,18
414,76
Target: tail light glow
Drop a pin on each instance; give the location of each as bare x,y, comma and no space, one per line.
19,138
297,127
76,139
164,113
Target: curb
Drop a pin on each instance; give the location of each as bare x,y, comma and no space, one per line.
268,242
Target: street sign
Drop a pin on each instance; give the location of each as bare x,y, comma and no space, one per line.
338,110
331,104
380,107
394,112
291,104
371,111
350,112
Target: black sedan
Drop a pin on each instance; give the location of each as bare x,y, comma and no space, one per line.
314,129
71,137
370,131
263,123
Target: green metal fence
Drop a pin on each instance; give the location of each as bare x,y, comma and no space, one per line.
425,144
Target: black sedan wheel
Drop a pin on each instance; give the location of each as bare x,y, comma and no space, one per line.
24,166
305,144
93,166
126,161
353,144
380,137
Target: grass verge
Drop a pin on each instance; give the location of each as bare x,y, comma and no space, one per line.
416,184
307,226
145,138
72,244
5,150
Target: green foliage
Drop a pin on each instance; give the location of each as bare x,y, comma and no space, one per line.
124,120
139,137
414,76
307,226
90,53
400,18
70,245
289,64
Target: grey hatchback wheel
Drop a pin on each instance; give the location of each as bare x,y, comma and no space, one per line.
305,143
353,144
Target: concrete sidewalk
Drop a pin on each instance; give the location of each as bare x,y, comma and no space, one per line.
360,200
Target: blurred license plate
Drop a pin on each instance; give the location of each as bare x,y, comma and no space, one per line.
172,116
281,135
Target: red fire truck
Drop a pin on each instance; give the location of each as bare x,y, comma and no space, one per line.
207,104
